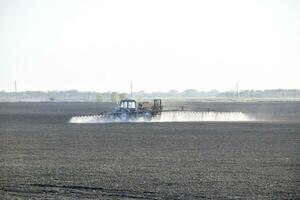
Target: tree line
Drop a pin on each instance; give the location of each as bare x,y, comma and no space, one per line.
74,95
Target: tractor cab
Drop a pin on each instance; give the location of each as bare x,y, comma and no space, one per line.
128,104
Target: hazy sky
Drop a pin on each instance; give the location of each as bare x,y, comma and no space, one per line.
159,45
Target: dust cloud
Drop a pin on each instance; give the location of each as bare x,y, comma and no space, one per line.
171,117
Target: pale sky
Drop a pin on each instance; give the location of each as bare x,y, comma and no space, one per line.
159,45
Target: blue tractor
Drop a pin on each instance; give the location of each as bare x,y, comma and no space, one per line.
130,110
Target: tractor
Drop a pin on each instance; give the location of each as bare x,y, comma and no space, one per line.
130,110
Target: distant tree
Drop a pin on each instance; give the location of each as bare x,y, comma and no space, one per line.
114,96
212,92
141,93
139,98
190,92
51,98
173,93
99,97
122,95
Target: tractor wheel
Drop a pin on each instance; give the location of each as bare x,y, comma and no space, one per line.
124,117
147,116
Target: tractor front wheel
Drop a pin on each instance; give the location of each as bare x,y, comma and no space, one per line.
124,117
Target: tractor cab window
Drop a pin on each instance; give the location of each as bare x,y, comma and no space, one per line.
123,104
128,104
131,105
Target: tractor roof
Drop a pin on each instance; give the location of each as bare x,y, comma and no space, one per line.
128,100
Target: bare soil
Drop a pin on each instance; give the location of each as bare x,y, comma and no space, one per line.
42,156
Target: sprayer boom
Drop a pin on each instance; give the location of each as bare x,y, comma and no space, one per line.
129,110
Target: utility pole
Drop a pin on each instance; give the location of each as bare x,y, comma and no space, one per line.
131,89
15,90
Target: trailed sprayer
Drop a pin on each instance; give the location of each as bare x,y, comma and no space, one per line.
129,110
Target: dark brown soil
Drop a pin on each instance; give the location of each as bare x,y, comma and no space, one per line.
44,157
